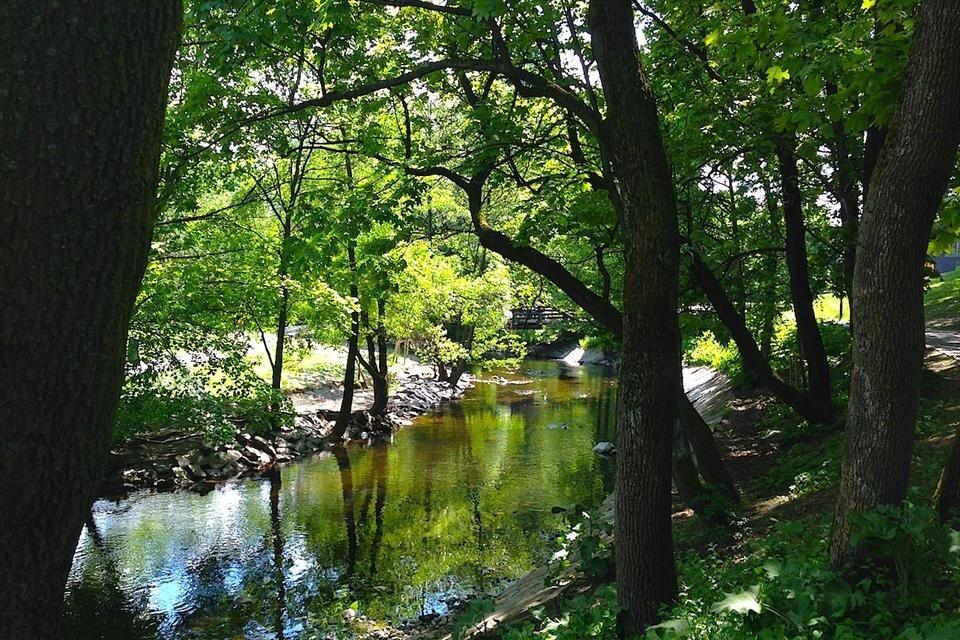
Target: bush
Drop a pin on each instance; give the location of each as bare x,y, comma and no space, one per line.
211,389
706,350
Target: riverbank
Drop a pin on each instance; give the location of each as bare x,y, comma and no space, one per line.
788,474
173,459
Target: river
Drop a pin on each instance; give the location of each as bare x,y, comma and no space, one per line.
458,503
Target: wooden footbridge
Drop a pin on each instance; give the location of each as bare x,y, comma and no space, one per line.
535,317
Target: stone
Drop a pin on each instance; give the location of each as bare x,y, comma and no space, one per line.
604,449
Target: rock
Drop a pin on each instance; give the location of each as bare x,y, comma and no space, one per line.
349,614
604,449
256,456
194,471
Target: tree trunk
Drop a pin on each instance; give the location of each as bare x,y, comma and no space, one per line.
907,186
381,383
83,87
709,460
808,333
282,312
947,496
749,351
686,478
353,350
646,574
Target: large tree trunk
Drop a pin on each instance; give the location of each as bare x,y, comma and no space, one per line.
83,87
282,312
888,335
646,574
376,364
808,333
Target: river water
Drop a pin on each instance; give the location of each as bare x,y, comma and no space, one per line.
458,503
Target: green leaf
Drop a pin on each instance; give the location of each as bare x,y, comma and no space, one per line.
712,38
739,602
812,85
777,74
868,4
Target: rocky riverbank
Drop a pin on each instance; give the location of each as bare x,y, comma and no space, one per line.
172,459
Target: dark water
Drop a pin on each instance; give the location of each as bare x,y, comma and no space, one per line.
455,505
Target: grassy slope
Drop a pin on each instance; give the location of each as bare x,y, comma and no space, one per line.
942,300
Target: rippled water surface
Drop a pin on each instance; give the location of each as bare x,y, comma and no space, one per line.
456,504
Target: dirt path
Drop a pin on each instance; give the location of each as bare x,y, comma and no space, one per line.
944,340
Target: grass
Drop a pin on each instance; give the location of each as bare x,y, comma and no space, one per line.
942,300
828,307
320,360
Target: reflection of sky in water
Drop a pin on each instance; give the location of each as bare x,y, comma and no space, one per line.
458,502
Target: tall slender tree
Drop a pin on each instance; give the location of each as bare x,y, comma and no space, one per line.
83,86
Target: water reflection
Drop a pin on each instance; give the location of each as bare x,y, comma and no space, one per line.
459,502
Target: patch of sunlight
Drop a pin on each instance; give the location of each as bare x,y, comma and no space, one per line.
831,307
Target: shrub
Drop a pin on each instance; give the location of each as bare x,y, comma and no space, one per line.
706,350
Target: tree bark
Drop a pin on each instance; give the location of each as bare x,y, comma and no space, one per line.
749,351
83,87
905,191
353,350
381,383
646,574
709,460
376,362
686,478
278,352
947,496
808,333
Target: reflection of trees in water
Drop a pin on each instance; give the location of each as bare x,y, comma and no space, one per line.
606,414
98,606
346,486
470,488
278,573
374,484
380,473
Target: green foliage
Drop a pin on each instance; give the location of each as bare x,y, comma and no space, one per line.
210,389
587,543
706,350
591,616
476,611
782,590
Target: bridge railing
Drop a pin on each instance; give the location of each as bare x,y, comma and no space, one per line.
535,318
